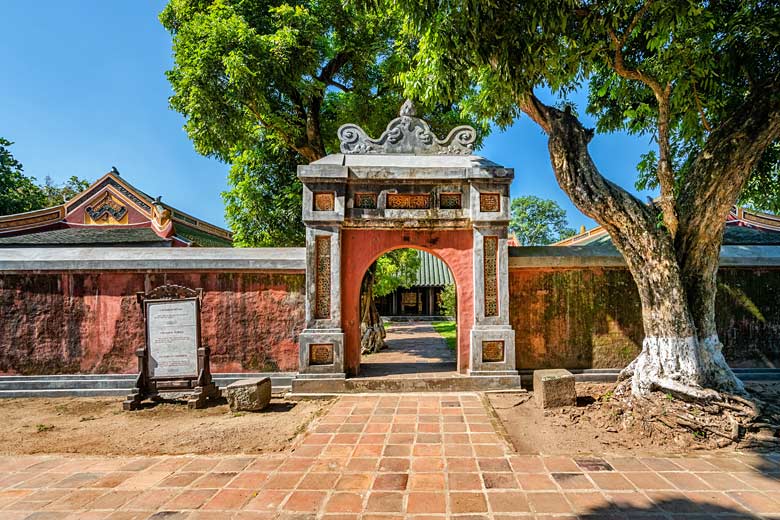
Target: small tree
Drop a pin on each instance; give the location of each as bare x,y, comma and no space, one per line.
538,222
18,193
448,300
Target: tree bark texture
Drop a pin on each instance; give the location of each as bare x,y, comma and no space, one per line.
675,276
372,329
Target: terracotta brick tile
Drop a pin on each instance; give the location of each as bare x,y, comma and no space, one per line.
545,502
283,481
152,499
322,481
648,480
463,502
377,428
398,450
373,438
317,438
728,464
494,464
428,464
500,481
426,503
202,464
345,438
144,463
403,428
508,502
405,419
361,464
230,464
481,428
190,499
394,464
427,482
338,450
427,450
455,438
673,502
213,480
331,464
695,464
560,465
327,428
368,450
296,464
349,428
626,464
266,500
458,450
429,428
77,499
461,464
354,482
756,502
760,482
78,480
686,481
536,482
391,481
265,464
400,438
449,427
660,464
611,481
229,499
723,481
305,501
113,499
526,464
627,500
588,502
464,481
258,515
385,502
714,501
572,480
489,450
248,480
112,479
345,503
429,438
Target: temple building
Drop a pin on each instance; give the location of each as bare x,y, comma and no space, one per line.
110,213
422,298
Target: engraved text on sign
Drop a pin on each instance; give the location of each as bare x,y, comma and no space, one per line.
322,300
173,338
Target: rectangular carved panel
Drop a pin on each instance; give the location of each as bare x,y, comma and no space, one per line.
490,202
324,201
321,354
322,297
364,200
492,351
408,201
490,255
449,201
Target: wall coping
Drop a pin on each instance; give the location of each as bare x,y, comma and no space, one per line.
535,257
153,259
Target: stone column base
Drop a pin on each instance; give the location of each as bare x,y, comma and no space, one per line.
321,354
492,351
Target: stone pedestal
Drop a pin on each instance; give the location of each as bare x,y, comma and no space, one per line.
554,388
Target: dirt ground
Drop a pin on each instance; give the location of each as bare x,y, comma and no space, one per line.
98,426
592,427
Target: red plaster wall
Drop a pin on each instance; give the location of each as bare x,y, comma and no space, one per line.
90,322
361,247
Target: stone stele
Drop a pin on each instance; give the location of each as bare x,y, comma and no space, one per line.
248,395
554,388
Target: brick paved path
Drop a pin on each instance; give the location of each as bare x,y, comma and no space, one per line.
399,456
414,349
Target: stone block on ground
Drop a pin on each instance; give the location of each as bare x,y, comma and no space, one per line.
554,388
248,395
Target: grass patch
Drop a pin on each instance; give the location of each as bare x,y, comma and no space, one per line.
448,330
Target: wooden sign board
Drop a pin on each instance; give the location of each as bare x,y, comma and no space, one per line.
173,359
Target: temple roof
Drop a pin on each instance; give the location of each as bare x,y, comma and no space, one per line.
433,272
111,211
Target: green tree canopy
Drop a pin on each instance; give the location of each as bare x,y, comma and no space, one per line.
538,222
701,78
395,269
265,84
18,193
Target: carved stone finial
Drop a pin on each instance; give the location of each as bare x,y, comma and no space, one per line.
407,134
407,109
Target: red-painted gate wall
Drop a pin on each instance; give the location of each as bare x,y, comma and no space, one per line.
361,247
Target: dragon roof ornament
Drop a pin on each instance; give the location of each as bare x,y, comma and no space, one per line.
407,134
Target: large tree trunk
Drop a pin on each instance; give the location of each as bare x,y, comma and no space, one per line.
681,351
372,329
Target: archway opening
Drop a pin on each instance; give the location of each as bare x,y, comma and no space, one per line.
408,309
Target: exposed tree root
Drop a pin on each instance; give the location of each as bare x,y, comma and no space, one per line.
708,419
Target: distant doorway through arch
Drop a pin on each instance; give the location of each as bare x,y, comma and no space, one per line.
415,298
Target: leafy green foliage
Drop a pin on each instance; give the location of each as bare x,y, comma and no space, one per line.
18,193
285,75
537,222
448,300
263,205
394,269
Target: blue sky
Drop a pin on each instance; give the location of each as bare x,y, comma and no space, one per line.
82,88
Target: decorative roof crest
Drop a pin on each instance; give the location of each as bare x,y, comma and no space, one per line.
407,134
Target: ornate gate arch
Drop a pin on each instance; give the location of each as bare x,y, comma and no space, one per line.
405,189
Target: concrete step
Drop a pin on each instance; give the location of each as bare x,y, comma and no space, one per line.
609,375
73,385
386,385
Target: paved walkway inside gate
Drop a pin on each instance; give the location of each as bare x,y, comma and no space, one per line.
414,349
392,457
